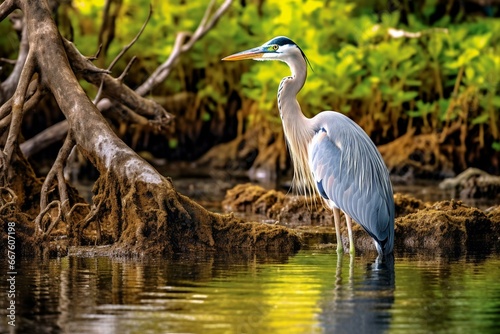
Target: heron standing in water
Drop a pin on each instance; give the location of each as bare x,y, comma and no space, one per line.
331,154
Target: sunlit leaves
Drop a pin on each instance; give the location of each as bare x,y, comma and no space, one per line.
435,45
439,75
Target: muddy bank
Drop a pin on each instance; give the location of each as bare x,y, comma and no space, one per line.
179,225
447,227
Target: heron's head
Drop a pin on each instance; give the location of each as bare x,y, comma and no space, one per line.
279,48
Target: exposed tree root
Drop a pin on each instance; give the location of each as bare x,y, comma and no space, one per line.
143,217
56,172
417,156
135,208
473,183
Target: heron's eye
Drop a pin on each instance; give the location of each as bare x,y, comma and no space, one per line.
275,47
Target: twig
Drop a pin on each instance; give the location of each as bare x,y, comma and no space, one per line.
6,7
8,61
132,42
163,71
97,97
97,53
125,72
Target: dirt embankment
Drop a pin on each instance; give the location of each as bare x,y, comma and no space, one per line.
447,227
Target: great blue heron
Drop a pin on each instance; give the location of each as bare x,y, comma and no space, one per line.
331,154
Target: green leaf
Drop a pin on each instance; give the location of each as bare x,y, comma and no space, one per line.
435,46
173,143
481,119
496,101
205,117
414,113
480,41
413,83
464,58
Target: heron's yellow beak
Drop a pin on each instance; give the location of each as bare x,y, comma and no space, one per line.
247,54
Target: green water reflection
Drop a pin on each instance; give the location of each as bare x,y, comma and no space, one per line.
312,292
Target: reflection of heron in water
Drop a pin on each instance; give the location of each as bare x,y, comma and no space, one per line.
360,305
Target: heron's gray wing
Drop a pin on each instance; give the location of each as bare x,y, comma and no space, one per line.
350,172
324,161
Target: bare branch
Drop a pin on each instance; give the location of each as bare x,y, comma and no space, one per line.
113,87
9,85
98,96
6,8
164,70
5,109
129,45
98,52
8,61
51,135
203,28
125,72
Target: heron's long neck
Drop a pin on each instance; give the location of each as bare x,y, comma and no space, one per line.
295,124
289,87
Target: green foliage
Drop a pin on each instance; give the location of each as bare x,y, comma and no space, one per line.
436,74
433,76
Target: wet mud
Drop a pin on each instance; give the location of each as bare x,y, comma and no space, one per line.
136,219
446,227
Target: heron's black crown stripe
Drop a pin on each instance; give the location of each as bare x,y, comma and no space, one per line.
281,40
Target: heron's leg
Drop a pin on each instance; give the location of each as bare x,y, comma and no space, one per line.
336,218
349,231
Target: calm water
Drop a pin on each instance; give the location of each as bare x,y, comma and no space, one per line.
313,291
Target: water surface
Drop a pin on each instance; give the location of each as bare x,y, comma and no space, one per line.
314,291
